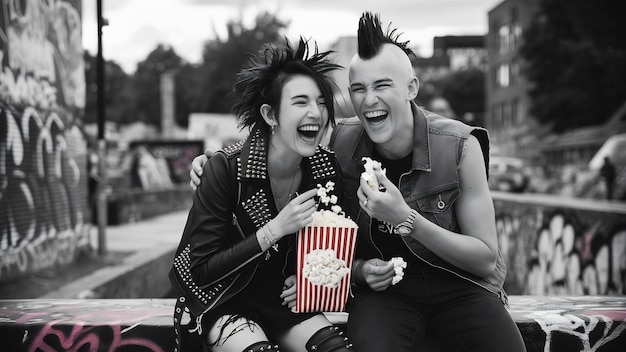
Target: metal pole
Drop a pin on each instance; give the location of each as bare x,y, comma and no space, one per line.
102,185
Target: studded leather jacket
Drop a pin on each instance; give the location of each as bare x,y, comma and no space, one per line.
431,187
218,253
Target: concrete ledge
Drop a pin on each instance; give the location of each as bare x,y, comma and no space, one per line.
132,205
582,323
134,277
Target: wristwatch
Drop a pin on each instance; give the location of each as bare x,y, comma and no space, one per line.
404,228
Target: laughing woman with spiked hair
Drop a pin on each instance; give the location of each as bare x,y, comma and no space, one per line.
235,265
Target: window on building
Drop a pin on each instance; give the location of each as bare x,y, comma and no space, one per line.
503,76
504,39
516,28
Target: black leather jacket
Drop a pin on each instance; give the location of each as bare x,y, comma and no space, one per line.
234,199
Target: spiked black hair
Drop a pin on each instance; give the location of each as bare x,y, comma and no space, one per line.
261,82
371,37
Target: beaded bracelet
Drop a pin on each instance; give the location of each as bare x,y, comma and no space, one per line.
267,236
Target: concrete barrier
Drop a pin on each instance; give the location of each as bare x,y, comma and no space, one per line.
557,324
132,205
555,245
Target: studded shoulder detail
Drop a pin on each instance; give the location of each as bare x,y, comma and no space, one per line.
233,149
323,163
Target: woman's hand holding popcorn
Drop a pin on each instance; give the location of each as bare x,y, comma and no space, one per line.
295,215
289,292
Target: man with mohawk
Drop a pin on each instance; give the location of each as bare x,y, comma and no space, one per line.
433,209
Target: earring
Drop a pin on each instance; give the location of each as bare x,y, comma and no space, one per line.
273,126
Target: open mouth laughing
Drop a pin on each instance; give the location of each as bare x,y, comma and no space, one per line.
309,132
376,117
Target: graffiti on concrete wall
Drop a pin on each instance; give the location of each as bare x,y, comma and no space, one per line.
563,251
547,323
573,323
41,53
161,164
88,326
43,188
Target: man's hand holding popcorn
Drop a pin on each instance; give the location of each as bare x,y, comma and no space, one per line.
369,175
385,205
380,274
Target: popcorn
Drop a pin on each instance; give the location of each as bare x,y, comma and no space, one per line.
398,266
322,267
322,193
325,253
331,218
369,174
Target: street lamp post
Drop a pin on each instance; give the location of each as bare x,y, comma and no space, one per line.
102,185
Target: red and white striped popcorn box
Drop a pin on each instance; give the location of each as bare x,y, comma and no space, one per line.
329,294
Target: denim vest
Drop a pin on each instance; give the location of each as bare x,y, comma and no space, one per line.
431,187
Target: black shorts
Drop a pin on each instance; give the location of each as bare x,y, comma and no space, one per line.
260,302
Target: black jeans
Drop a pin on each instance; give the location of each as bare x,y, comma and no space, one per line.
460,315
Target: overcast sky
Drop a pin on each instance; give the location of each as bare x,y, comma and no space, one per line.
136,27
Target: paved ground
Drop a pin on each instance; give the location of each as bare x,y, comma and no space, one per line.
129,246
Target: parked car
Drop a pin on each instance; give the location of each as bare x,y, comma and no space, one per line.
507,174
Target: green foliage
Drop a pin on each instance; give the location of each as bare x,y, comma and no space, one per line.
189,95
222,59
146,83
118,96
576,62
465,90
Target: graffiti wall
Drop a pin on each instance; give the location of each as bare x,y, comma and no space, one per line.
163,164
559,246
88,325
556,324
43,151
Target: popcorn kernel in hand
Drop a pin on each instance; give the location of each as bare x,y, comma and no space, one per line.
369,175
398,267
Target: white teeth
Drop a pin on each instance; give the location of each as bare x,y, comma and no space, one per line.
309,128
373,114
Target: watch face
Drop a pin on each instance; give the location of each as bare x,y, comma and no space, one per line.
403,230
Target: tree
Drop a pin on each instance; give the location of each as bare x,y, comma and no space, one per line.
465,90
117,93
575,56
190,96
204,87
146,83
222,59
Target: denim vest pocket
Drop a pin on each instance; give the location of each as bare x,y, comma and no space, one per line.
437,206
